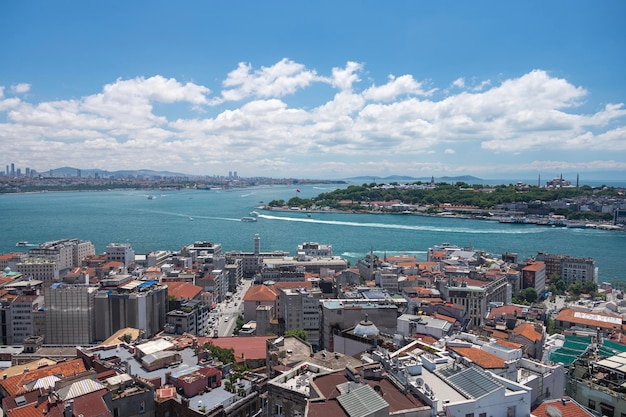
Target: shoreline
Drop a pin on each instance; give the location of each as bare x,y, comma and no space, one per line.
522,221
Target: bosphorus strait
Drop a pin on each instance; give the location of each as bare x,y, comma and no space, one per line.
175,218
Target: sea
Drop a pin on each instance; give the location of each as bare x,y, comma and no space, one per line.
169,220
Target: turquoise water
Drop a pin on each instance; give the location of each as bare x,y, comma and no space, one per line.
177,218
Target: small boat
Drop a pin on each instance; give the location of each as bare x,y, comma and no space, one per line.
22,243
190,219
254,214
151,197
248,219
308,214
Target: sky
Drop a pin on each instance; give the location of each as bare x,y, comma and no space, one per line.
325,89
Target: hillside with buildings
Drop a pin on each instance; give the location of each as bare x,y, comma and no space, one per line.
209,332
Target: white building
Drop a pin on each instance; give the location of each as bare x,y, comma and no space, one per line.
316,250
120,252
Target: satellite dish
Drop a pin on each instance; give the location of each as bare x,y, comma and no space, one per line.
426,387
419,382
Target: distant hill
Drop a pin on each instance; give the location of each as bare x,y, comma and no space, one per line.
146,173
404,178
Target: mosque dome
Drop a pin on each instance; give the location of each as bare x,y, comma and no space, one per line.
366,329
7,270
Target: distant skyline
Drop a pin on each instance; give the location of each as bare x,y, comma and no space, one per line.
323,90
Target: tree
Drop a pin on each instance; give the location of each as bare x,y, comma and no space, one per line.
530,295
299,333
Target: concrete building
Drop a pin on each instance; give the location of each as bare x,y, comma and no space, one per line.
120,252
67,253
299,309
534,276
70,314
137,304
475,296
157,258
315,250
409,324
578,270
192,317
337,315
23,313
44,269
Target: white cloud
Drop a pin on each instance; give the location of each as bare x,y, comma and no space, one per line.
404,85
20,88
343,78
1,91
283,78
397,126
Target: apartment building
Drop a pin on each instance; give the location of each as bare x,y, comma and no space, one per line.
37,268
314,249
337,315
299,309
23,310
534,276
70,314
475,295
67,253
138,304
120,252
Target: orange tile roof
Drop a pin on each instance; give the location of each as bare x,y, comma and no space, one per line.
569,315
14,385
565,406
509,344
443,317
535,266
528,331
183,290
260,293
481,358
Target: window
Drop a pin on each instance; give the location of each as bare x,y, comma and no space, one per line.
592,404
482,415
510,411
279,410
469,415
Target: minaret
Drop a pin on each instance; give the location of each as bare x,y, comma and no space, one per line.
539,181
577,178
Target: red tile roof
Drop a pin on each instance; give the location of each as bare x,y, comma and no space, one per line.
260,293
567,408
14,385
585,318
183,290
535,266
481,358
528,331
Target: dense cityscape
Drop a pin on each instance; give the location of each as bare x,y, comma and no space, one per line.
208,331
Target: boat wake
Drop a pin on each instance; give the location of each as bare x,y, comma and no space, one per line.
408,227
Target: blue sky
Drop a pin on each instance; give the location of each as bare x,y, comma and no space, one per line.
316,89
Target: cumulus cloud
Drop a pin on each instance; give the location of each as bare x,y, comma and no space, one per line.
20,88
400,86
344,78
283,78
352,128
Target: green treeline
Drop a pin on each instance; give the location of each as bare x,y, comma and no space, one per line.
357,197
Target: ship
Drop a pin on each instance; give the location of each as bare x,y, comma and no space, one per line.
22,243
248,219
